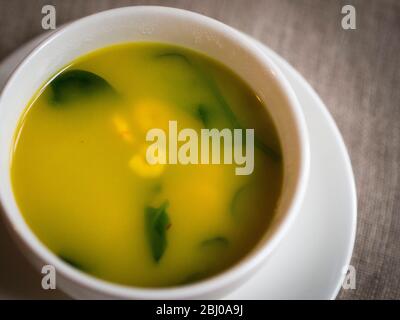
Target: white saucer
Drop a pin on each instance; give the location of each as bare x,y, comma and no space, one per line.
311,261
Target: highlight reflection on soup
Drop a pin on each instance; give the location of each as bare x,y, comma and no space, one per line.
83,186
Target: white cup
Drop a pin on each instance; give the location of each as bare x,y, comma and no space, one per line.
179,27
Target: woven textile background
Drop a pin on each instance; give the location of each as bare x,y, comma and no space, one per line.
356,73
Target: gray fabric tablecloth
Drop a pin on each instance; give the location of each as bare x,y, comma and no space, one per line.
356,73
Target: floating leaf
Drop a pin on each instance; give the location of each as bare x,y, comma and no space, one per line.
194,277
157,223
72,262
73,85
203,115
234,207
157,188
209,82
215,241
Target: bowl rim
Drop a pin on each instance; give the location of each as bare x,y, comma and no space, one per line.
240,268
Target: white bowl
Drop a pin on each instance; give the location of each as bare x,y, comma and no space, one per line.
177,27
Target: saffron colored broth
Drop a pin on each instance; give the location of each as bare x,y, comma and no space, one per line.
83,185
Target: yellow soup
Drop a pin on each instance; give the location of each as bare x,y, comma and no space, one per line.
83,185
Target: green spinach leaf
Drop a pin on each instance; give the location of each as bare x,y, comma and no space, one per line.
215,241
203,115
157,224
209,82
73,262
194,277
73,85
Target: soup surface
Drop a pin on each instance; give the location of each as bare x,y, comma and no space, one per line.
83,185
